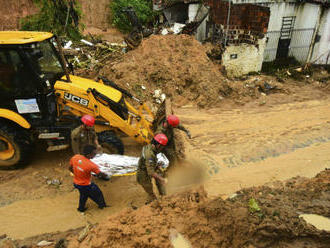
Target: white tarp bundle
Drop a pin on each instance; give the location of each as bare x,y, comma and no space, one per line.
119,165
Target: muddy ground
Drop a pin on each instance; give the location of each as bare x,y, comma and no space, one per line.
234,222
247,135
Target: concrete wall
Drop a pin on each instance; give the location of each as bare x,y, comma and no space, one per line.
301,40
241,16
244,58
306,19
321,51
262,1
247,26
307,15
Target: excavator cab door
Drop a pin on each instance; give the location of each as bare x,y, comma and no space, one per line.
20,88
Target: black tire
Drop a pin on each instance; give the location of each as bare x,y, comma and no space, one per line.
110,142
19,146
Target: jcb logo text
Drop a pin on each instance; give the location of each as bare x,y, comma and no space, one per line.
75,99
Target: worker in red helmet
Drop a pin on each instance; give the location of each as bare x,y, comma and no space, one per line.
167,127
148,167
84,135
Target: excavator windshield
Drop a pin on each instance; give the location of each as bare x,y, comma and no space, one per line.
44,59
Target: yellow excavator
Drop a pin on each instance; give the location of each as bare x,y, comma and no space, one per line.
39,99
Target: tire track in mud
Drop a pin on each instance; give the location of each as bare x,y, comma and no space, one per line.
232,138
248,146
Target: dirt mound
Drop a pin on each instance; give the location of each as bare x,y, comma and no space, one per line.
176,64
12,11
256,217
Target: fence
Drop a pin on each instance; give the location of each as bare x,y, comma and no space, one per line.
297,46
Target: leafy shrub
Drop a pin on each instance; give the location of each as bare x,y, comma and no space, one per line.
54,17
143,9
253,206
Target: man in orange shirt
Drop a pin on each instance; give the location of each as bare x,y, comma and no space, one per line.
81,166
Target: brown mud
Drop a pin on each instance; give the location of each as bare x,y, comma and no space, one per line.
178,65
246,136
224,223
239,147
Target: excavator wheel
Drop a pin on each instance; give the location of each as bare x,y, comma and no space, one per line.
15,146
110,143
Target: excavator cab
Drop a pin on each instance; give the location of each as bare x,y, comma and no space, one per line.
40,100
27,75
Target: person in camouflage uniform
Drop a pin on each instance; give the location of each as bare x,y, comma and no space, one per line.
84,135
166,127
148,167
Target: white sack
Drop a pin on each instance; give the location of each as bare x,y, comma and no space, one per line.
114,164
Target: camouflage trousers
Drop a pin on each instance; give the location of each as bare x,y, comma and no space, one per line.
170,154
145,181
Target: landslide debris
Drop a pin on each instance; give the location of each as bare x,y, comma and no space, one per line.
176,64
180,67
266,216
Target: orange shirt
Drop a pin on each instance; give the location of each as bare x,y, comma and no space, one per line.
82,169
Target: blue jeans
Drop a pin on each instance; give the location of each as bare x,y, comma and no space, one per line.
90,191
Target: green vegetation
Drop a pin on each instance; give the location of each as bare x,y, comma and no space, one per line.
253,206
255,209
60,17
143,9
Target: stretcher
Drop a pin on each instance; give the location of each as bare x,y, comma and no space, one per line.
121,165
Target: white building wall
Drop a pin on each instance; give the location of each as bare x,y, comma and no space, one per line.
244,58
277,12
321,52
201,30
306,19
262,1
306,15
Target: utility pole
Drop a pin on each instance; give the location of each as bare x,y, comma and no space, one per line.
228,18
316,30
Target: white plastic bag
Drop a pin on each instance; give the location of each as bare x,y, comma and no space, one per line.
114,164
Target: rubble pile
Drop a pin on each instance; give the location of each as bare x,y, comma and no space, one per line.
176,65
89,57
254,87
266,216
180,68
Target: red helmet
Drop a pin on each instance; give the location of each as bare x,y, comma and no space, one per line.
161,139
173,120
88,120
